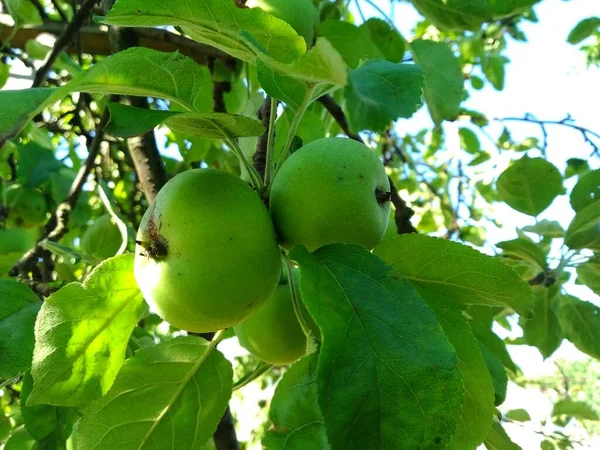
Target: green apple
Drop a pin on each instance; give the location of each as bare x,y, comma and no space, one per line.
207,254
331,190
15,240
273,333
102,239
28,206
300,14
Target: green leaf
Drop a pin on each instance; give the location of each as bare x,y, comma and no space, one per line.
19,308
315,73
455,14
580,322
167,396
386,38
387,374
127,121
524,249
297,419
543,330
578,409
584,230
352,42
530,185
497,439
459,273
443,78
493,66
550,228
583,30
218,23
586,191
23,12
165,75
576,166
497,372
381,92
469,141
478,405
20,439
81,335
589,274
519,414
43,420
493,343
505,8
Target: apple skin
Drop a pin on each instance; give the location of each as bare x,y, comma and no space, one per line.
28,206
102,239
273,333
207,254
300,14
16,240
331,190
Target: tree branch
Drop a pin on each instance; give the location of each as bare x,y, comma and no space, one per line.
66,37
259,159
57,227
337,113
95,40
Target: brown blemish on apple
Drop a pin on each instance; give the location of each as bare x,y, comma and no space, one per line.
156,246
382,196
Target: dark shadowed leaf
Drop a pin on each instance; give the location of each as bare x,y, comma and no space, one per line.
297,420
387,374
543,330
580,322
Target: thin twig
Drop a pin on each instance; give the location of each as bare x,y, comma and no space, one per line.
337,113
66,37
259,159
568,121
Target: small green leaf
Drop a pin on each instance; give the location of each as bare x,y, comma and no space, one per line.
583,30
589,274
550,228
81,335
167,396
455,14
478,405
543,330
469,141
315,73
352,42
497,439
297,419
43,420
165,75
19,309
578,409
381,92
494,69
580,322
127,121
530,185
584,230
524,249
387,374
576,166
20,439
461,274
497,372
386,38
586,191
218,23
519,414
23,12
443,78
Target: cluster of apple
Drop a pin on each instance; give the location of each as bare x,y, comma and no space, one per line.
208,254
